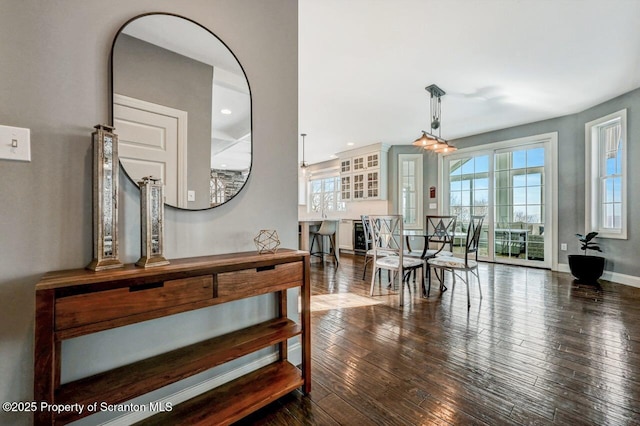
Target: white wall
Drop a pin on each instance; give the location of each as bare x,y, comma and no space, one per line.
55,81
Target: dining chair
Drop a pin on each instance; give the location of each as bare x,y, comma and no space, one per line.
368,241
457,265
438,241
388,251
328,229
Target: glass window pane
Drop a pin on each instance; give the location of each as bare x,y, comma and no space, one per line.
455,168
619,159
455,198
465,215
466,184
611,164
480,210
502,197
617,190
519,214
534,214
481,197
534,195
411,200
519,196
608,191
481,183
535,157
617,215
534,179
482,164
467,166
408,184
519,159
502,161
607,220
329,184
315,202
518,179
455,186
502,179
466,198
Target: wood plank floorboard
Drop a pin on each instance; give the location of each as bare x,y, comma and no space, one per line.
537,349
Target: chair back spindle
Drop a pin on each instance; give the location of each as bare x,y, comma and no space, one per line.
473,237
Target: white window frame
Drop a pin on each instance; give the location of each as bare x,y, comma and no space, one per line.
551,187
338,204
593,166
417,159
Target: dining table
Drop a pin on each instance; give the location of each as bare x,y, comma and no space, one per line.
409,233
427,237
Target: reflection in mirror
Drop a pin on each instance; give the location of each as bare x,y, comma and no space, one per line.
181,109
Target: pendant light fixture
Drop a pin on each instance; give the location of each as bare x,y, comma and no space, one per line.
429,140
304,164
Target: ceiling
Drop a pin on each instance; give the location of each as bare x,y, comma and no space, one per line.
364,65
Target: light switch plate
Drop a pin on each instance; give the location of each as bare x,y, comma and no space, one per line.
191,195
433,206
15,143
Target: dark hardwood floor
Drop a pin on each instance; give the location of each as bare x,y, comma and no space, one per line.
537,349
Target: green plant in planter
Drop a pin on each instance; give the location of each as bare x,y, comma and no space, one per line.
587,243
587,268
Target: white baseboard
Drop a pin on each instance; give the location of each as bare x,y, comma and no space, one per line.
294,356
615,277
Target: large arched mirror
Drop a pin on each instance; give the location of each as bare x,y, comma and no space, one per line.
181,107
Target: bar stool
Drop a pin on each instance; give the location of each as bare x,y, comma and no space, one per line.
327,229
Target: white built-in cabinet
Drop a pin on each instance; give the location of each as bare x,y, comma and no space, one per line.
345,234
363,173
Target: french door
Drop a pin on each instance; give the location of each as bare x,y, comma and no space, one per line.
510,185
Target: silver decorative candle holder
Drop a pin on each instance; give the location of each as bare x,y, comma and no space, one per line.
105,199
151,223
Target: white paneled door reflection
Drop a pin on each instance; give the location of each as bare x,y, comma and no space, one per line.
152,144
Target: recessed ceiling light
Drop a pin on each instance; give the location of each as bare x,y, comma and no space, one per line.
350,143
225,111
333,156
223,165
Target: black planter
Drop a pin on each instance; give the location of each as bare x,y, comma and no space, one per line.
586,269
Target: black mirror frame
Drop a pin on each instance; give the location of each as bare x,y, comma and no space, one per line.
110,97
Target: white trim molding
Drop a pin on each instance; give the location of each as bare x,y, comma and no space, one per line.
417,160
614,277
593,186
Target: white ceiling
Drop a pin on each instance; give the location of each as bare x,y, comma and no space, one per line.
364,64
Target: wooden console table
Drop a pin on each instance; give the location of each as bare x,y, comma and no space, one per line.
79,302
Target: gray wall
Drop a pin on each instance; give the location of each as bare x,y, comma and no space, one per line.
145,71
54,81
429,174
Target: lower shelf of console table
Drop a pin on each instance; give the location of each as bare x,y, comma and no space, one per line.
130,295
234,400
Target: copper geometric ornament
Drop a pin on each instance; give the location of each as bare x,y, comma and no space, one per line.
267,241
